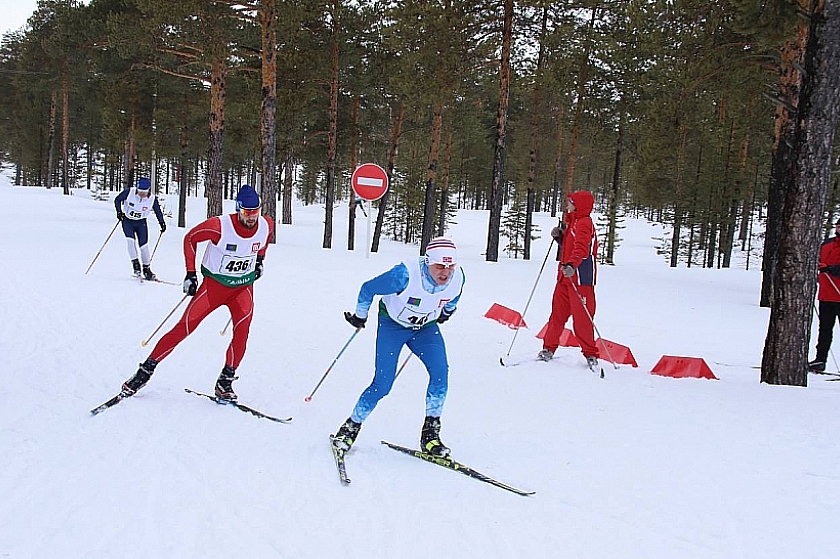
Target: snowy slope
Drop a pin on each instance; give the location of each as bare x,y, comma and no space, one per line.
631,466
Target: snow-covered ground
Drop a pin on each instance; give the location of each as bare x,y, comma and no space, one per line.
629,466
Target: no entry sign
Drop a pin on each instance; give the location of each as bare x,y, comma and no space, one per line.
370,181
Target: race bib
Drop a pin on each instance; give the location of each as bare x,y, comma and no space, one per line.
412,318
236,265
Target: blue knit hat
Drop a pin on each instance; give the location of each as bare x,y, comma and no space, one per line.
144,183
247,198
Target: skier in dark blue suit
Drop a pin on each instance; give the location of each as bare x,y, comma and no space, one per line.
133,207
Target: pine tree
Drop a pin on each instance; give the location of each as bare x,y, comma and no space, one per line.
513,228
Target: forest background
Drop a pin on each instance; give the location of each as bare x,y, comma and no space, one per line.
688,111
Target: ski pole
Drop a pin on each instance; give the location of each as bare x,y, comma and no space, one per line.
152,257
317,386
404,363
222,332
834,285
103,246
144,343
592,320
528,304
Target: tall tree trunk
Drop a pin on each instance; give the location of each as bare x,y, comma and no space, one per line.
213,188
727,219
267,16
558,163
51,140
578,114
396,133
535,133
431,179
288,187
790,80
678,204
612,205
443,209
746,209
354,162
498,180
131,150
785,356
65,136
183,186
333,130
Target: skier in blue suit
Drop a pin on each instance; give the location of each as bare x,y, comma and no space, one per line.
133,207
417,296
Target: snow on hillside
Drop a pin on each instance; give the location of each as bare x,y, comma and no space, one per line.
629,466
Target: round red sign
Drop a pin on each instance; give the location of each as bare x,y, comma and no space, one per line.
370,181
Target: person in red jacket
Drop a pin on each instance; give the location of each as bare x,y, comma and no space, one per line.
829,298
233,261
576,277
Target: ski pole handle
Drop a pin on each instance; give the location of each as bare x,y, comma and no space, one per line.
144,343
103,246
317,386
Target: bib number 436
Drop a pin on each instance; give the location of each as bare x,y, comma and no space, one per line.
237,266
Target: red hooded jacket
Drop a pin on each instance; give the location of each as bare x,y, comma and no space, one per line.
580,243
829,256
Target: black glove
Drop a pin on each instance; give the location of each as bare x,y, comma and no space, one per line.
191,283
259,268
162,227
444,315
354,320
568,270
833,270
558,232
120,215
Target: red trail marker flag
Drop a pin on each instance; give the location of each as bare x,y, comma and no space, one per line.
503,315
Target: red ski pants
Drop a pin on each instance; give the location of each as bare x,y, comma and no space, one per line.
566,303
210,296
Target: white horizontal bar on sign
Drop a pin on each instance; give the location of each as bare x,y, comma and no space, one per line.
369,181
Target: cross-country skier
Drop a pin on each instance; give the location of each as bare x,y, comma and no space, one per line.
576,277
232,262
417,296
828,296
133,207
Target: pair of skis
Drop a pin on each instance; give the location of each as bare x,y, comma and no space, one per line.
444,462
141,279
241,407
515,361
834,376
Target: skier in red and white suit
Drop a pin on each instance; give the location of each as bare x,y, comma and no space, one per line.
232,262
577,269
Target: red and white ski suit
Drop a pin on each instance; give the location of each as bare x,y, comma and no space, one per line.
211,294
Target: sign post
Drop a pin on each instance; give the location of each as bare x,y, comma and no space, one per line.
370,182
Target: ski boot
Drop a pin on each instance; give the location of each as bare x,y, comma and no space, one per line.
592,362
545,355
140,378
224,384
135,264
430,438
148,274
816,366
346,435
